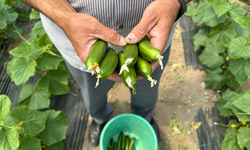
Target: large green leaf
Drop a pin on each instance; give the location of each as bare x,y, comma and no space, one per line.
56,126
243,136
21,51
38,29
191,10
34,14
211,55
9,137
48,62
22,70
222,34
200,39
33,98
240,31
12,13
33,120
233,84
23,15
44,40
56,146
220,7
241,69
238,49
243,102
56,82
3,20
30,144
221,102
12,32
244,21
228,143
236,10
211,19
5,105
215,79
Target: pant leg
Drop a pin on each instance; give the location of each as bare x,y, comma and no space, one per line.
144,101
95,99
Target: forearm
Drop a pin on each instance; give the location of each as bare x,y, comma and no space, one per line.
57,10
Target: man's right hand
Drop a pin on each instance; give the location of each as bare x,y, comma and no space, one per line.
84,30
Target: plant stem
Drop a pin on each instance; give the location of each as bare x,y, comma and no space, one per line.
222,125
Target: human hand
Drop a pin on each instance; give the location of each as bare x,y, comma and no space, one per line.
84,30
157,22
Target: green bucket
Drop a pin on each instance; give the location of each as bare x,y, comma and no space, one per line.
133,126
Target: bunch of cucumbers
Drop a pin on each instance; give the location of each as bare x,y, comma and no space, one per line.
134,58
123,143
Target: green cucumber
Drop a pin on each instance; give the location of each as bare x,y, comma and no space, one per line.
127,76
127,143
149,52
123,141
115,146
95,55
130,56
144,69
111,143
107,65
110,148
131,52
131,144
120,141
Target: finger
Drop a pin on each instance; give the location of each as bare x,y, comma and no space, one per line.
87,46
145,25
115,77
110,36
154,65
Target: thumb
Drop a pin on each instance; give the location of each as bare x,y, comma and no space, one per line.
139,31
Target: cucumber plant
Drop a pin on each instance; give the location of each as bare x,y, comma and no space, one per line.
7,30
27,128
226,53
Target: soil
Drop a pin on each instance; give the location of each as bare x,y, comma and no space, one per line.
181,93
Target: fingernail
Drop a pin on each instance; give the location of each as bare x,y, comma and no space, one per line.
123,41
131,37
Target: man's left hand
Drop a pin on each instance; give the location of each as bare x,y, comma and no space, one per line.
157,22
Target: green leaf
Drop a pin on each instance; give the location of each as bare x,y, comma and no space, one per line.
21,51
211,19
30,144
3,20
244,21
200,39
48,62
9,137
23,15
243,102
220,7
228,143
38,29
214,79
56,126
9,68
22,70
5,105
221,34
233,84
56,146
12,32
12,13
222,101
33,120
240,69
44,40
35,99
238,49
243,136
191,10
34,14
231,131
211,55
57,81
241,32
236,10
